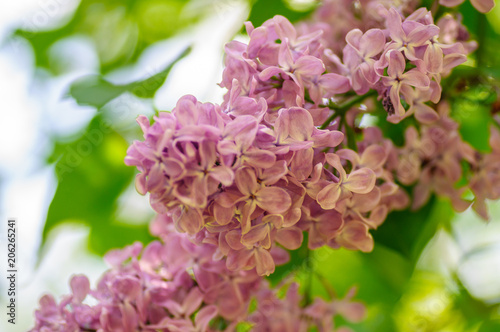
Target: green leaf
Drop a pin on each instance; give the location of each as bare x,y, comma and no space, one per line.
380,277
119,30
472,111
91,175
95,91
490,326
262,10
474,310
407,231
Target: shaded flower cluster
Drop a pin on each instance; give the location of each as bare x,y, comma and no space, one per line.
176,286
437,160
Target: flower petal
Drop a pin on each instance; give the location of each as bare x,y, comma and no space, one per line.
360,181
273,199
290,237
263,261
329,196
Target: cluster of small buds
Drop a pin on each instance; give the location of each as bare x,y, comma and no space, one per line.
176,286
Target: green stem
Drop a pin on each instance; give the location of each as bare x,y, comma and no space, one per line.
309,271
326,285
435,10
481,36
351,138
342,109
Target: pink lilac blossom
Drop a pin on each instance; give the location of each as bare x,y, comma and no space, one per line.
255,172
177,286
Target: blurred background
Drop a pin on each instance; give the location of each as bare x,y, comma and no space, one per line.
74,75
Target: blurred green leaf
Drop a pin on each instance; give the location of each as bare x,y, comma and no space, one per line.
407,232
119,29
490,326
91,175
95,91
472,110
474,310
262,10
380,276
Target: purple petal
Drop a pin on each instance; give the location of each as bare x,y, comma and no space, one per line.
208,154
355,235
302,164
274,173
396,101
372,43
422,34
284,28
239,260
309,65
415,78
329,196
269,72
433,59
204,316
192,301
189,220
397,64
264,262
295,122
425,114
334,84
374,156
80,287
222,174
326,138
353,38
255,234
243,130
290,237
273,199
223,215
246,181
450,3
394,25
259,158
360,181
483,6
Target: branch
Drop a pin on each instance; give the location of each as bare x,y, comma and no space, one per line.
340,110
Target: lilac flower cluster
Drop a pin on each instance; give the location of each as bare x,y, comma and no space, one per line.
177,286
254,173
407,68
